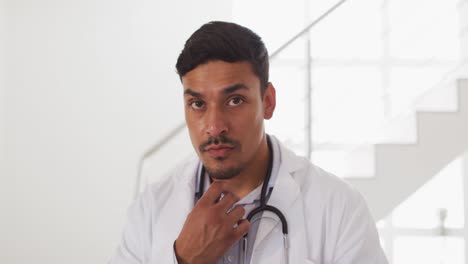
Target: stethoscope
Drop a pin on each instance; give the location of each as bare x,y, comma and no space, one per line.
261,208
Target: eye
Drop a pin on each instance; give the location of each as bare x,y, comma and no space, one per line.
235,101
197,105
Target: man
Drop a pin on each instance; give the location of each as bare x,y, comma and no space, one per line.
198,213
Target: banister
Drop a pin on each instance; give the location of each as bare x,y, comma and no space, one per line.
153,149
306,29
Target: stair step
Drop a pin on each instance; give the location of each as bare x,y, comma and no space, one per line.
414,164
443,98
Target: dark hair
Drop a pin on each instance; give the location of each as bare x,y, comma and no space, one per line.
227,42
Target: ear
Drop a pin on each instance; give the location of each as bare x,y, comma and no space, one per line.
269,101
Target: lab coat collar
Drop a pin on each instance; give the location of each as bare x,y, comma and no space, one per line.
290,162
285,193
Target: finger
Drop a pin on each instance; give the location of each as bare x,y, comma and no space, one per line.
213,193
228,200
236,214
242,228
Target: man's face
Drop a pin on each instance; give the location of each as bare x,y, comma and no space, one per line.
224,112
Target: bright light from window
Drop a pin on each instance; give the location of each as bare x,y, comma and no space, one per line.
445,190
429,250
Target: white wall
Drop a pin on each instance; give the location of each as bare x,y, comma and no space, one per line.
91,84
2,86
463,17
2,114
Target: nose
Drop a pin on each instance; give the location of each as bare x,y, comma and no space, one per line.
215,123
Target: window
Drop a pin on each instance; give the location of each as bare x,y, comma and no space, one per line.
428,226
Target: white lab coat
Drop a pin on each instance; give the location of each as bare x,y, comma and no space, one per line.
329,222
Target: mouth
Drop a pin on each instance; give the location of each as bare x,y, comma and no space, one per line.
219,151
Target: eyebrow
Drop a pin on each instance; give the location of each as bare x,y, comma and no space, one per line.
234,87
227,90
191,92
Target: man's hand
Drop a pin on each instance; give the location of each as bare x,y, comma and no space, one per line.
210,230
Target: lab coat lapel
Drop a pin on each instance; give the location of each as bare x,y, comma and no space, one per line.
178,208
172,216
285,196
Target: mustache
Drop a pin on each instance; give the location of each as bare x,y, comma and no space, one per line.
217,141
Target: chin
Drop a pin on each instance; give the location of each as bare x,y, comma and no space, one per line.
223,172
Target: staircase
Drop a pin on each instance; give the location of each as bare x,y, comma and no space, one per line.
400,169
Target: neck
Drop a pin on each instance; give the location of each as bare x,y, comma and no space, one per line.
254,173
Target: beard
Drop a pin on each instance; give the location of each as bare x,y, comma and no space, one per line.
219,171
222,173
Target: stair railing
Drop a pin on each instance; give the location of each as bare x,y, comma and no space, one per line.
150,152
